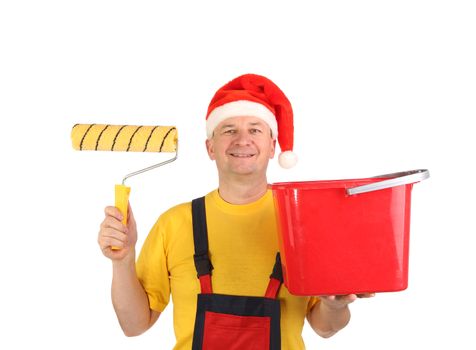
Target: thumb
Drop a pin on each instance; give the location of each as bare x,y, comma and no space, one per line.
130,215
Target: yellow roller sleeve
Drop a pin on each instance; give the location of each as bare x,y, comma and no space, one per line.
124,138
122,201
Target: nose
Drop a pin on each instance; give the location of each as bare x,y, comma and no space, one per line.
242,138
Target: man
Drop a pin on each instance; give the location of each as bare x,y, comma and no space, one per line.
231,247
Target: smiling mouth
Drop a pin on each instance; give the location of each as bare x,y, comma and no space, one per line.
240,155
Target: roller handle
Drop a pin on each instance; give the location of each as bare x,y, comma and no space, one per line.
122,202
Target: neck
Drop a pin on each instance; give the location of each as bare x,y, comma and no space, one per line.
242,192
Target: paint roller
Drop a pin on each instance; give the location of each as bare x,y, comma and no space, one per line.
126,138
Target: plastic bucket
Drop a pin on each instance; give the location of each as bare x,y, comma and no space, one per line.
345,236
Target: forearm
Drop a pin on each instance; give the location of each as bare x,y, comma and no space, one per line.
327,321
129,298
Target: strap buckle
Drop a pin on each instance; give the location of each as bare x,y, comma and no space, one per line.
277,269
203,264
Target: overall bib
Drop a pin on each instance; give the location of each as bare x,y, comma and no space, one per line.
227,321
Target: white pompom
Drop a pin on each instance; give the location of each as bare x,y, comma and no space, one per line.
287,159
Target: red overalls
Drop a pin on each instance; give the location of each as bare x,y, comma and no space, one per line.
227,321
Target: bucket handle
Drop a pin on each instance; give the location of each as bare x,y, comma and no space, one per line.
395,179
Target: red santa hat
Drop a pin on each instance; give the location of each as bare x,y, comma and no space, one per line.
257,96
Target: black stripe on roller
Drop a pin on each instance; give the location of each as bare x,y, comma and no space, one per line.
99,137
130,141
115,137
147,143
163,140
84,136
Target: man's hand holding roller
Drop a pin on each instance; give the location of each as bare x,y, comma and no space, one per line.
113,233
128,297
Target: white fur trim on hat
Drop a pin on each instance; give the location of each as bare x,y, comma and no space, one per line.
241,108
287,159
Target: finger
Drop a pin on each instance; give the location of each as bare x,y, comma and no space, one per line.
338,301
346,299
114,223
130,215
114,212
113,233
114,253
109,241
109,233
366,295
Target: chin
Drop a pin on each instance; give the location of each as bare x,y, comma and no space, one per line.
244,171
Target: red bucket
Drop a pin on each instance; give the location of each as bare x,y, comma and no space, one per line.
345,236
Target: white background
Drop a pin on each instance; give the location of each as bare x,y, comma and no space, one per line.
376,86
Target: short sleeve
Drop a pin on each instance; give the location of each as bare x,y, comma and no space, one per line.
312,302
151,268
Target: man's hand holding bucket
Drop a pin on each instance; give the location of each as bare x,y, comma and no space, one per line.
332,314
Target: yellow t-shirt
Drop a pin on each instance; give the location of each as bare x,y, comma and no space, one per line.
242,246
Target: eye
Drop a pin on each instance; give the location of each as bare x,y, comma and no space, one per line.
255,131
229,131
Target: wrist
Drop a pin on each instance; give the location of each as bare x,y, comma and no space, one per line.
128,261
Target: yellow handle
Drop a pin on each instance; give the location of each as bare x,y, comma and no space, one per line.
121,202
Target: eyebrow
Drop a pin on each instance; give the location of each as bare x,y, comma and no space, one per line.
227,126
249,124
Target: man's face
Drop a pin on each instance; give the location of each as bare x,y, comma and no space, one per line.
241,146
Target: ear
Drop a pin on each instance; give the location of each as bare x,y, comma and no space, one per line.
272,150
210,149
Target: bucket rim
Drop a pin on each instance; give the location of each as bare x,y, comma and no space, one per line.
321,184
